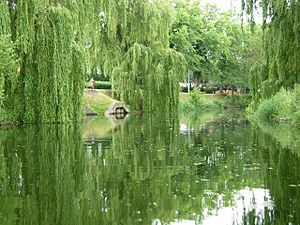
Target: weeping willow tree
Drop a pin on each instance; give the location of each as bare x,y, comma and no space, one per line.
134,50
8,62
48,42
57,40
280,63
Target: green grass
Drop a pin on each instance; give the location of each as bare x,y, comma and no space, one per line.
283,106
196,102
97,101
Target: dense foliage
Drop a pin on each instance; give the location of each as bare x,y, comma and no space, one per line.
8,63
47,42
135,53
282,106
214,44
57,41
279,65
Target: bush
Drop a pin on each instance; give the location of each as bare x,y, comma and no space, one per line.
284,105
243,100
295,104
266,110
210,89
185,89
102,85
195,102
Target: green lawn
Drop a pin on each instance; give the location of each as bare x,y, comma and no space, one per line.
97,100
184,96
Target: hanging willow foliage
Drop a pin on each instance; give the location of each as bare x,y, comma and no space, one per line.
280,66
48,40
8,63
129,39
134,40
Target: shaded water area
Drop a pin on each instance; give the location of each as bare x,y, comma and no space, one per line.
213,169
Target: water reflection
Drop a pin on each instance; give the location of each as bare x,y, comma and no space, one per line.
213,169
247,204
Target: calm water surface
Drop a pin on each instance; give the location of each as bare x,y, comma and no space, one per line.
212,169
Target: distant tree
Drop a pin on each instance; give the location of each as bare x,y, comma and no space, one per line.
215,46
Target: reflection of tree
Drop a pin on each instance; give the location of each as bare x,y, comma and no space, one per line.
41,170
158,172
145,170
281,158
136,171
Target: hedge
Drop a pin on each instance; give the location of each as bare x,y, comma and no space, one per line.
102,85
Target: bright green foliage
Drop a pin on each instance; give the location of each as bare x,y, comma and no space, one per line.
196,102
280,64
4,19
134,43
47,40
58,41
214,45
8,71
8,63
187,33
284,106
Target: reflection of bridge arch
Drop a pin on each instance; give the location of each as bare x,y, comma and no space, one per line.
118,109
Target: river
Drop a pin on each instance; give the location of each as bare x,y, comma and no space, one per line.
213,169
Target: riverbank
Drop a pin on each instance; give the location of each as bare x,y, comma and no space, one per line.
196,101
96,101
284,106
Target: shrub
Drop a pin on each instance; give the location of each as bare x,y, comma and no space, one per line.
195,102
283,101
280,106
102,85
266,110
295,104
210,89
185,89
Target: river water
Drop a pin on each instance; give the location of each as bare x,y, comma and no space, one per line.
212,169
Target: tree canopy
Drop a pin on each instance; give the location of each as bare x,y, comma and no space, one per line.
215,46
135,53
279,65
48,44
47,47
56,41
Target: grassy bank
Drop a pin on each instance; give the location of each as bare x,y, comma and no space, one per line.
283,106
197,101
97,100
